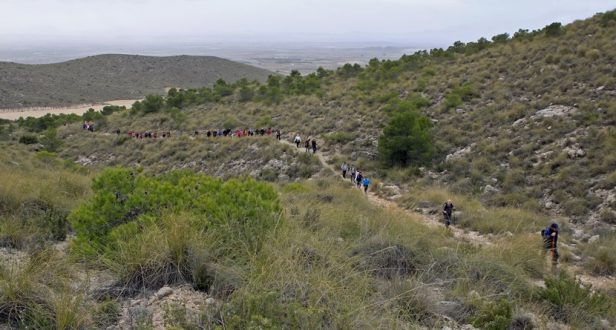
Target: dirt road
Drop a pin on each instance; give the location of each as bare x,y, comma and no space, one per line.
13,114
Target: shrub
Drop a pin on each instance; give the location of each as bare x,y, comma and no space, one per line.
494,316
124,202
572,301
406,140
28,139
602,260
553,30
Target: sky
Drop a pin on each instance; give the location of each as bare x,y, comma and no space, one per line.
411,22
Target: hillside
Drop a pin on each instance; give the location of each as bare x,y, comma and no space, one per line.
525,122
190,231
112,77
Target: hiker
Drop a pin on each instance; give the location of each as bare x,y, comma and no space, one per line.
366,183
353,174
448,211
314,146
278,134
358,179
550,239
118,132
297,140
344,168
307,145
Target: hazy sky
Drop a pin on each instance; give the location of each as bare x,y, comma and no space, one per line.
407,21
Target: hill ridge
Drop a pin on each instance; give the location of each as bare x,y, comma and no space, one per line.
112,77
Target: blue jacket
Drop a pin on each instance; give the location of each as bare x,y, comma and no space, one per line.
366,181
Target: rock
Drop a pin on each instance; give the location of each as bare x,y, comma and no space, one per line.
210,301
577,233
460,153
488,189
468,327
605,324
446,328
549,205
460,111
593,239
574,151
474,295
494,180
164,292
519,122
448,307
555,111
391,190
600,88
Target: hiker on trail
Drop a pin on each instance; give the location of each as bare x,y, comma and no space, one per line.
118,132
344,168
297,140
358,179
366,183
550,239
307,145
314,146
278,134
353,174
447,212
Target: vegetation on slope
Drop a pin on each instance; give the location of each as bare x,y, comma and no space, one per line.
318,254
531,115
112,77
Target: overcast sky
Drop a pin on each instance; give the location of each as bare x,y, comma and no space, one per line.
405,21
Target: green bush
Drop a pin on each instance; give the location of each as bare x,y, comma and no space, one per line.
28,139
407,139
494,316
572,301
124,201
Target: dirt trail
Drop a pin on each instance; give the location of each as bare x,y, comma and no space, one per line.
469,236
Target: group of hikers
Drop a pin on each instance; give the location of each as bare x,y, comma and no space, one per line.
241,132
311,143
147,134
209,133
549,234
357,177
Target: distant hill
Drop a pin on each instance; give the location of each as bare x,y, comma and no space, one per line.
110,77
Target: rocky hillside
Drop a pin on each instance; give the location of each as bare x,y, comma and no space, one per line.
113,77
523,121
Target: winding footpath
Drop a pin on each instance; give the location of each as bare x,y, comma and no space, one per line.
471,237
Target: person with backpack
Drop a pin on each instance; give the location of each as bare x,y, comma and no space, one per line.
307,145
278,134
353,174
314,146
366,183
344,168
550,240
297,140
448,212
358,179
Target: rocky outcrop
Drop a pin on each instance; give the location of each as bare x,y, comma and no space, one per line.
555,111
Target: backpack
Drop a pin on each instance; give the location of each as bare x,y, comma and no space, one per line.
545,233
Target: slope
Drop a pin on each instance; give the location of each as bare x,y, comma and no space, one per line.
112,77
